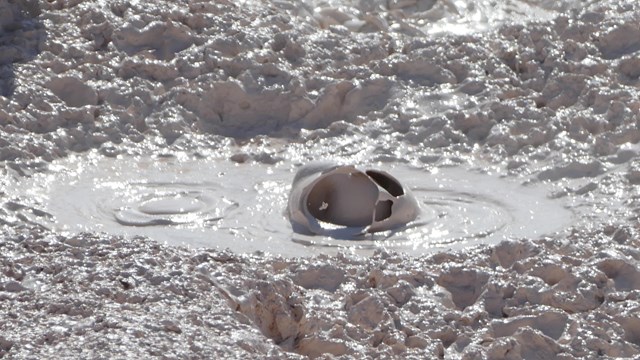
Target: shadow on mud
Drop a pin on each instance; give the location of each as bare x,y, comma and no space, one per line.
21,36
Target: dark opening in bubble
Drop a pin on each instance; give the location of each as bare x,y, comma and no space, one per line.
387,182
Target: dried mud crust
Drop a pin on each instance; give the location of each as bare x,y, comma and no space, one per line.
109,75
93,296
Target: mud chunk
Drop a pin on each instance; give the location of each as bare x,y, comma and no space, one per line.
465,286
73,91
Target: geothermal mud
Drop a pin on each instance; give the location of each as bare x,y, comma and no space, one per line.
185,201
533,104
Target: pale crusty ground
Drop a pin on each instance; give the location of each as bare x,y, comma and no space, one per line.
92,296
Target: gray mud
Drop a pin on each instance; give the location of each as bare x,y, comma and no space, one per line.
540,93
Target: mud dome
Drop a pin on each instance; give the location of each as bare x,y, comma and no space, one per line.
540,94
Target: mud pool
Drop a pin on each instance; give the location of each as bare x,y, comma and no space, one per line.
182,200
146,152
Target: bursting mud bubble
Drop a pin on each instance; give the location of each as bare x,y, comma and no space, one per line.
493,110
